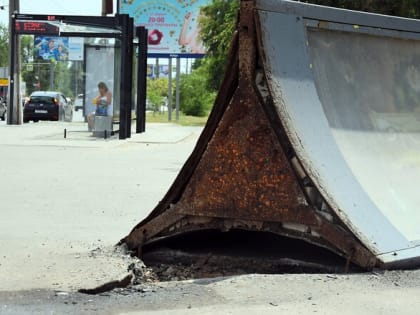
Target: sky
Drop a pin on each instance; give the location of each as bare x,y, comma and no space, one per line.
67,7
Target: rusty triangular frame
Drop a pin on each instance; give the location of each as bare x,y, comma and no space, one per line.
243,172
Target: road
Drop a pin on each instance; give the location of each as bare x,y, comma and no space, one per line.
65,203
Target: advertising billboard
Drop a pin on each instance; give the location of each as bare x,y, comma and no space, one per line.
173,29
56,48
51,48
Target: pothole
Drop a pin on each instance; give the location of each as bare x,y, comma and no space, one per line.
211,254
208,254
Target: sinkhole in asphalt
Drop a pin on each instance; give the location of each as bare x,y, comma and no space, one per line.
211,253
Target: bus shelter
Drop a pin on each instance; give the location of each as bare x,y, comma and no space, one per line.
72,54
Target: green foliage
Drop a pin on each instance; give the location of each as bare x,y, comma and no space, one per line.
219,22
217,27
40,72
195,98
159,85
30,79
26,48
157,91
155,99
4,46
184,120
198,89
62,78
77,80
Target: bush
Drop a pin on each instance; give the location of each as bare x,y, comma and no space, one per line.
195,98
157,90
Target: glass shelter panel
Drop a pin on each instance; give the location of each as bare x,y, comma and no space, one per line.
100,67
369,87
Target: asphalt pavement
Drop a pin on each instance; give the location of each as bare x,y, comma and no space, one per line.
66,201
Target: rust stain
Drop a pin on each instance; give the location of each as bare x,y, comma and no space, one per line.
244,172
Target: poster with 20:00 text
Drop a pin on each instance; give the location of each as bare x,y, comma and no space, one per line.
172,25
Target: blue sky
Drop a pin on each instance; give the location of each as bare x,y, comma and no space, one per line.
69,7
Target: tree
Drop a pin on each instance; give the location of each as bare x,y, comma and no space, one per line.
219,22
217,26
195,98
198,89
157,91
4,45
26,48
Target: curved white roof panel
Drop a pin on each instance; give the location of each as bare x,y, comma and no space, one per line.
349,97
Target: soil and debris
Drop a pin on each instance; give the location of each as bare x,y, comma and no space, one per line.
214,255
209,254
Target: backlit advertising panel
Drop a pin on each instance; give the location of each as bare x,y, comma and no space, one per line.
172,25
51,48
58,48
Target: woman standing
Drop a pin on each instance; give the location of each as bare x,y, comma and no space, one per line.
103,103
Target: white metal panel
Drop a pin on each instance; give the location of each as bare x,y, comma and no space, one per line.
291,81
369,87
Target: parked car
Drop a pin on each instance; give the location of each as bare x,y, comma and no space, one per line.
3,108
47,105
78,103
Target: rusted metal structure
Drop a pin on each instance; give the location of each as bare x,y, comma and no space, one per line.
286,145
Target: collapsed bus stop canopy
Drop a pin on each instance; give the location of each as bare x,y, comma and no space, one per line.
315,135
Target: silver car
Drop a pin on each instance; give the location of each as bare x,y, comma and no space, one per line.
78,103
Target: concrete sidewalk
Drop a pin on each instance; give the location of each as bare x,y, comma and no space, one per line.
66,202
76,134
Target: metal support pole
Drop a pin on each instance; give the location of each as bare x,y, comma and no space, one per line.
52,68
170,89
178,70
11,91
126,82
107,7
13,105
123,56
157,68
129,71
141,34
